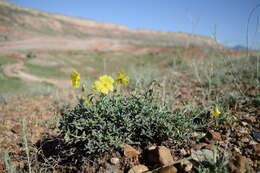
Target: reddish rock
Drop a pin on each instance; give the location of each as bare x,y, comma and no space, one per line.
168,169
240,165
215,136
165,156
138,169
161,155
130,152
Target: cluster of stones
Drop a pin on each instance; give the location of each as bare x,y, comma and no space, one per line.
160,156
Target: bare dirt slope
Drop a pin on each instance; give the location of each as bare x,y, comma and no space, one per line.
48,43
18,23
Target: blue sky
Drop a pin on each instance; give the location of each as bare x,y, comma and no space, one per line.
192,16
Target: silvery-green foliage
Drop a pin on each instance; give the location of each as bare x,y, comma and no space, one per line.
116,119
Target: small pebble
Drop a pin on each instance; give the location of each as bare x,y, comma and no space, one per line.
114,160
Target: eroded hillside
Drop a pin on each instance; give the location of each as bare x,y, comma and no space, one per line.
18,23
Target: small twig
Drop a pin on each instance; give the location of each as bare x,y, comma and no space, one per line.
25,141
247,27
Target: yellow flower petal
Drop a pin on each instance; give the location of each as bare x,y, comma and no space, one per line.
75,79
97,86
103,86
107,79
215,112
122,79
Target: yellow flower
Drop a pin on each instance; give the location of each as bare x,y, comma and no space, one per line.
75,79
215,112
104,84
107,79
122,79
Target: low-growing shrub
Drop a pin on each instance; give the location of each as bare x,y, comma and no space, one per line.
110,118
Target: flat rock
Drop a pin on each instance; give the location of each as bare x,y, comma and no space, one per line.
138,169
114,160
161,155
168,169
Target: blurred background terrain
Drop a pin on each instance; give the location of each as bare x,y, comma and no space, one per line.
196,64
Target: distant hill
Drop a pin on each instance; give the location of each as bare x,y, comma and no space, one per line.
242,48
239,47
18,23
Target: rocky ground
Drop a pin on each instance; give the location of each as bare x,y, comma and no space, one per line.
235,145
28,123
